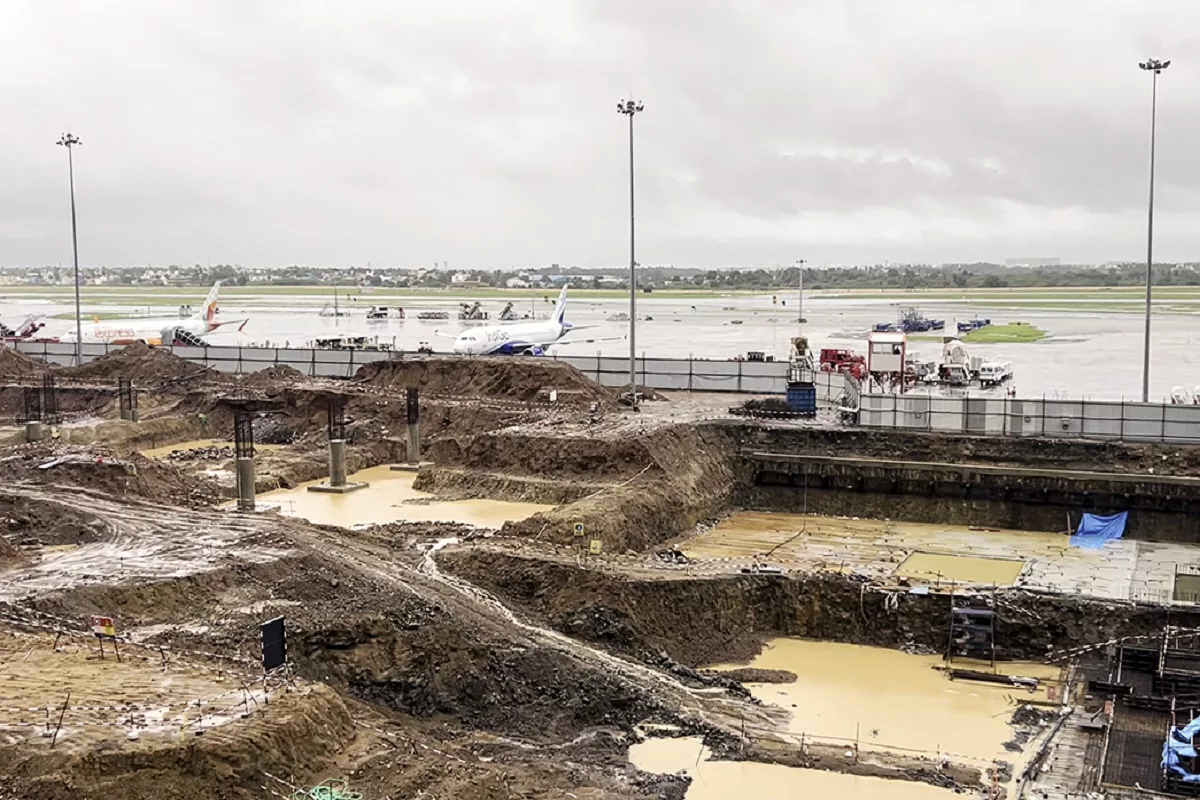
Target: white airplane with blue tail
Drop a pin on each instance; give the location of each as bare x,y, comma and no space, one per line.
521,338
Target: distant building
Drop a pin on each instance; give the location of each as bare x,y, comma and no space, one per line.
1032,262
517,283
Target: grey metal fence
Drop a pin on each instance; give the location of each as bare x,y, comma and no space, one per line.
680,374
1046,417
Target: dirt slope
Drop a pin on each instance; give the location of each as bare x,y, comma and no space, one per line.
18,365
138,362
527,380
661,483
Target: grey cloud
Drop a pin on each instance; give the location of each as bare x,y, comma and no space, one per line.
485,133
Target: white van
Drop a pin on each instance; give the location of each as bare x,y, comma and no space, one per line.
993,373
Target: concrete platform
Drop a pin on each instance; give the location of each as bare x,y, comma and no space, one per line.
411,467
346,488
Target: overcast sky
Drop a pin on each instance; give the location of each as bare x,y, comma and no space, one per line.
485,133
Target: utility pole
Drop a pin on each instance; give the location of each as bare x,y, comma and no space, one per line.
800,270
1155,67
629,108
68,140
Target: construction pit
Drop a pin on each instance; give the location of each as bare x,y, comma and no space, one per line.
541,593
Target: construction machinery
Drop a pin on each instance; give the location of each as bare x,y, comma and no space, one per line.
844,362
801,386
471,311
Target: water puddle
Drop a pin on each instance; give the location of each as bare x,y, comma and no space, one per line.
390,497
721,780
887,699
935,567
875,548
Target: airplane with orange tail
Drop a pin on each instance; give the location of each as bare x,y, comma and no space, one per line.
162,331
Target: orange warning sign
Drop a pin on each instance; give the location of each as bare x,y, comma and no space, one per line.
103,626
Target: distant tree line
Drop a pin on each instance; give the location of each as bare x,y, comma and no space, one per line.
879,276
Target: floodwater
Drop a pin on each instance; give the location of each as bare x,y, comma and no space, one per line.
887,699
390,497
961,569
1089,353
721,780
883,548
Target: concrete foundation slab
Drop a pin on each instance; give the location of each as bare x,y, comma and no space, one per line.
411,467
345,488
1124,569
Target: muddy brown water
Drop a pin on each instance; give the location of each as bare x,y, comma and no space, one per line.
721,780
390,497
969,569
886,700
891,699
883,548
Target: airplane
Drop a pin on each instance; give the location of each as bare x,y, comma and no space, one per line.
519,338
187,330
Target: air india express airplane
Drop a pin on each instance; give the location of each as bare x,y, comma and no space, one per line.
178,330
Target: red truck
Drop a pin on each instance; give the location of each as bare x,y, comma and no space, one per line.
843,361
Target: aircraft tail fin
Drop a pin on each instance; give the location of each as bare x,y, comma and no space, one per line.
208,311
560,308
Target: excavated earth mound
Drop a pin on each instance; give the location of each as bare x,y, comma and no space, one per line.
280,374
527,380
17,365
138,362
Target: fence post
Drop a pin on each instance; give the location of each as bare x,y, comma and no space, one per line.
643,381
597,375
689,373
1121,429
1162,428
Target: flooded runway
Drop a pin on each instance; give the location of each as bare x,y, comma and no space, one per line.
722,780
1088,353
391,498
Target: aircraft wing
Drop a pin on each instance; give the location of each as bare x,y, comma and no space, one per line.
589,341
445,335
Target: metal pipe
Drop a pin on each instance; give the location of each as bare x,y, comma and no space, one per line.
1155,67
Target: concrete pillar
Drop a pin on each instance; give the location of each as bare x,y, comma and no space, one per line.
245,484
337,462
33,430
414,443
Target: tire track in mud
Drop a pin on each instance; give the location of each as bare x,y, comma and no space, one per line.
140,541
708,706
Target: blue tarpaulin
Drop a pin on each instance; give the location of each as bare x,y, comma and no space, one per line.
1095,530
1179,745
